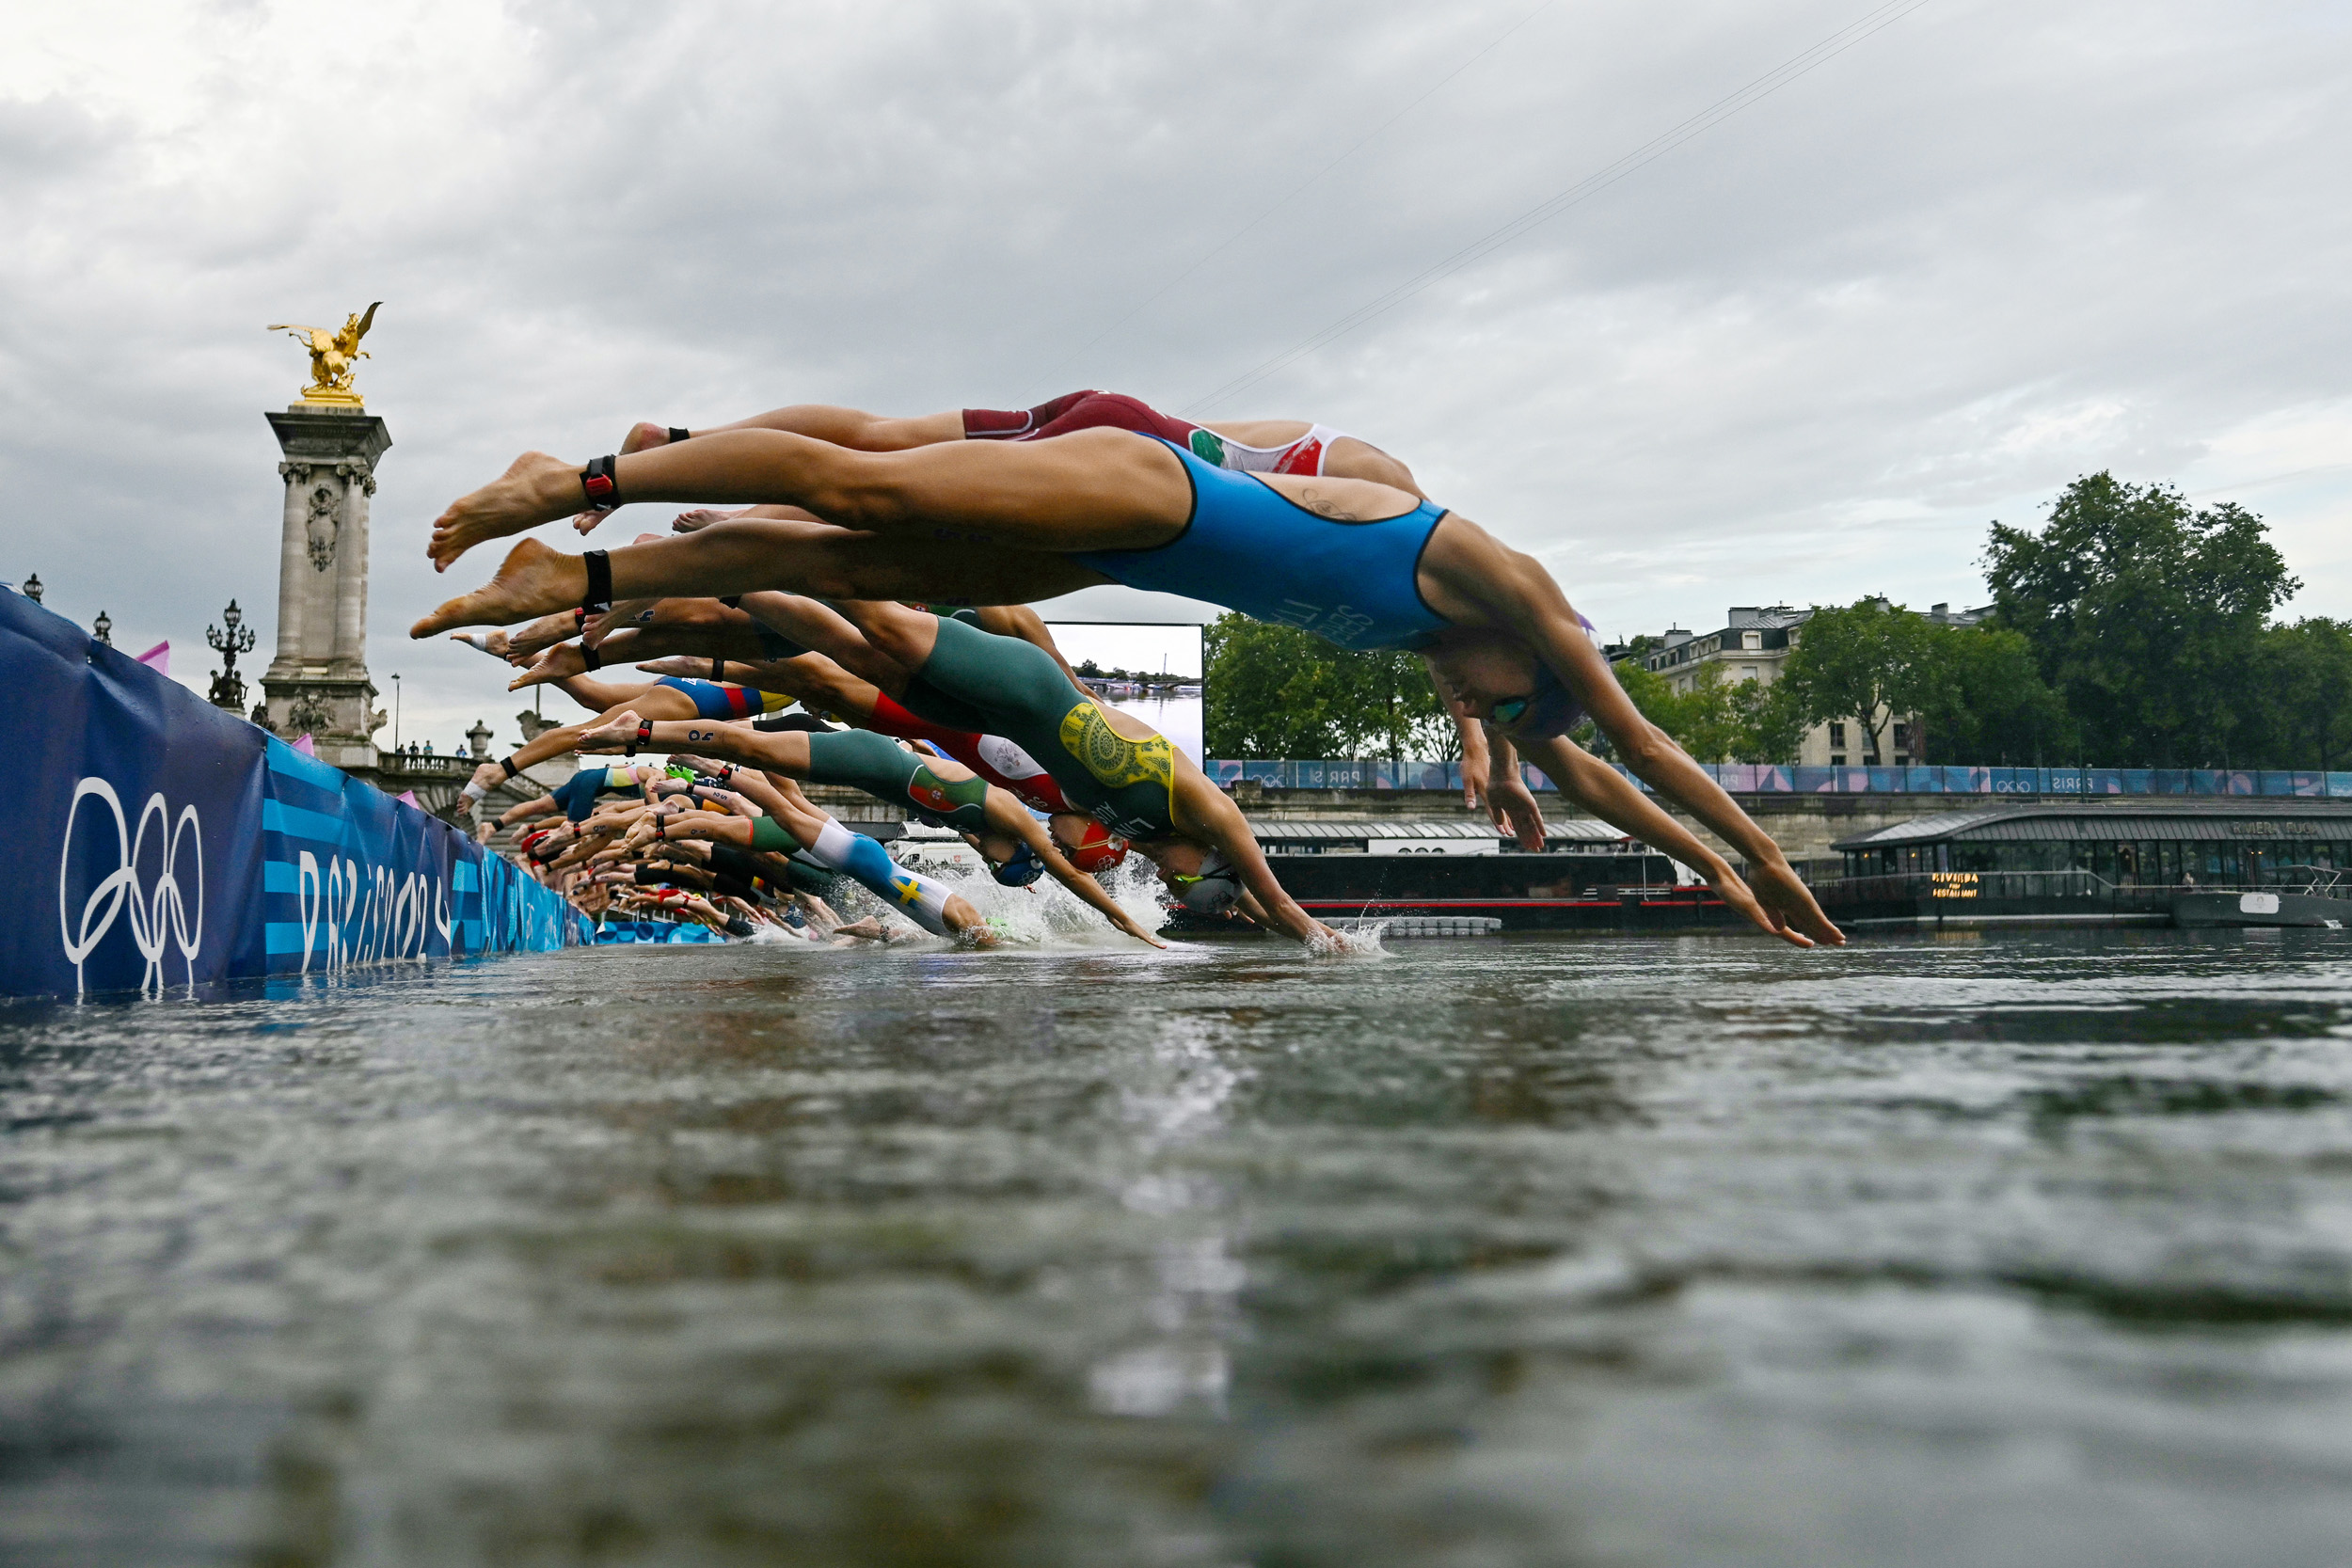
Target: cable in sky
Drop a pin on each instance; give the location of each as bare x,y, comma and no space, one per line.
1288,196
1821,53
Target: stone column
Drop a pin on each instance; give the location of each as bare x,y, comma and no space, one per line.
319,682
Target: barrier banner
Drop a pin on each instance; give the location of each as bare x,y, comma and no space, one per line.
156,841
1782,779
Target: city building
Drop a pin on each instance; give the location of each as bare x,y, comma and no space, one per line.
1753,645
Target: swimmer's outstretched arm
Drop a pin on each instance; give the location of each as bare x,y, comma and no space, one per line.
1601,789
1478,580
1504,796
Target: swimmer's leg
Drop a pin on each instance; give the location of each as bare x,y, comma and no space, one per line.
928,903
742,558
1089,491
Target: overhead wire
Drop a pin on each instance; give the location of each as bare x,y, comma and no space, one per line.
1291,195
1801,64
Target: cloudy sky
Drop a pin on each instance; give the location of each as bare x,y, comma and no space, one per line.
1804,354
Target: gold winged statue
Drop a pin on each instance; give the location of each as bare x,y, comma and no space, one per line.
332,356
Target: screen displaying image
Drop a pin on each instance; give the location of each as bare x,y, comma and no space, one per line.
1153,671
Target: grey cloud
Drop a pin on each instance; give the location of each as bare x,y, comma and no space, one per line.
1806,354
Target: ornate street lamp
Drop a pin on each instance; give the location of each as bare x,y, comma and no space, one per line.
103,628
33,589
229,686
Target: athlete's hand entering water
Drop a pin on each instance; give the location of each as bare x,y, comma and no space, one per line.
1512,807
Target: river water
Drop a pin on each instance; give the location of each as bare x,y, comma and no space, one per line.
2013,1249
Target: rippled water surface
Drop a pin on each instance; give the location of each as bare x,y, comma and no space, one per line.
2019,1249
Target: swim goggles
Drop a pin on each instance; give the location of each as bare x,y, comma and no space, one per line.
1213,891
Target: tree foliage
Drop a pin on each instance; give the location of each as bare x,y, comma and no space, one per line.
2131,631
1865,663
1718,720
1274,691
2146,617
1981,700
1975,693
2298,709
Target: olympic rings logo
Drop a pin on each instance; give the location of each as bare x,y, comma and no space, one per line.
158,917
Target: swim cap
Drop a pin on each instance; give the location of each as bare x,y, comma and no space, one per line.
1023,869
1214,890
1098,849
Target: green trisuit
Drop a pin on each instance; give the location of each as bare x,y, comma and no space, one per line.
991,685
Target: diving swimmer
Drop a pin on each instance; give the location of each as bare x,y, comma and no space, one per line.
1361,563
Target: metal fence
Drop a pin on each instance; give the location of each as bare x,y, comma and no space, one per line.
1762,779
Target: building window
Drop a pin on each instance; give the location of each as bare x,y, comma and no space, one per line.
1747,672
1838,736
1902,737
1751,640
1837,759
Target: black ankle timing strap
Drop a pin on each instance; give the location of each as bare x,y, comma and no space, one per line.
589,657
679,433
601,485
599,599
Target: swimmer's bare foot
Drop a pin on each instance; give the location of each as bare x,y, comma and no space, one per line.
559,663
531,581
491,643
621,617
541,635
535,488
701,517
614,737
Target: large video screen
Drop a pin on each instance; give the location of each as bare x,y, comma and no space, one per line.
1151,670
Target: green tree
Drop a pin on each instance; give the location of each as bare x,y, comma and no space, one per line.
1981,700
1718,720
1274,691
2145,615
2297,706
1868,662
1773,723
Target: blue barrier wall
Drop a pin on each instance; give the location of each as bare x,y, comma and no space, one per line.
156,841
1744,779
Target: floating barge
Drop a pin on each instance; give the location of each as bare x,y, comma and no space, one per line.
2220,861
1459,878
2225,862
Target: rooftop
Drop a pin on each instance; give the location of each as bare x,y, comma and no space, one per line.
2209,817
